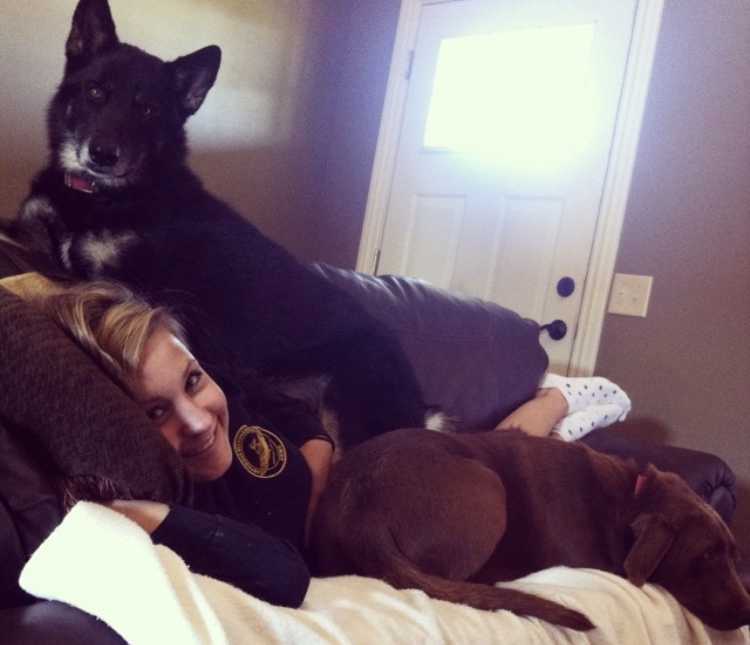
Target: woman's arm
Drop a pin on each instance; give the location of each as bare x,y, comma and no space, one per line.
318,454
241,554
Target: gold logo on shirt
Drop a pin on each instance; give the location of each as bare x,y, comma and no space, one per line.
260,451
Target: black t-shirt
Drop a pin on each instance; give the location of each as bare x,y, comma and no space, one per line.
268,483
247,527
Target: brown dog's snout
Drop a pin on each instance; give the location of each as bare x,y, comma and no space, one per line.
725,602
730,622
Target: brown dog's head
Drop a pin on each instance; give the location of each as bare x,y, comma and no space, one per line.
683,545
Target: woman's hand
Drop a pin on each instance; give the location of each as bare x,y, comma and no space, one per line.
148,515
318,454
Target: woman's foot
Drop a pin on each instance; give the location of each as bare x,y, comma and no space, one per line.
583,392
538,416
569,407
593,402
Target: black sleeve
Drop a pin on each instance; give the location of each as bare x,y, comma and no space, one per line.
241,554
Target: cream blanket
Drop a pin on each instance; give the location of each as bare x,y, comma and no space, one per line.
104,564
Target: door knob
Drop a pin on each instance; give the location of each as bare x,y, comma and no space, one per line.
566,286
557,329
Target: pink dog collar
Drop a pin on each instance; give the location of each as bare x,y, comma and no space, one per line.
640,483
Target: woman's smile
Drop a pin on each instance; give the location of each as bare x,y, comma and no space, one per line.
201,447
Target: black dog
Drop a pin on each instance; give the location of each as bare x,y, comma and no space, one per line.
118,201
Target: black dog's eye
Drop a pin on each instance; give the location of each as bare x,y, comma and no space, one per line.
148,111
96,93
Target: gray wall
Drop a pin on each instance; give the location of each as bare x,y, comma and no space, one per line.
687,365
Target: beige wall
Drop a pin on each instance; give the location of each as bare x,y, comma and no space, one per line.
687,366
252,139
357,51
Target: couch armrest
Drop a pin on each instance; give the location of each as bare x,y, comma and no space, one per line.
707,474
476,360
54,623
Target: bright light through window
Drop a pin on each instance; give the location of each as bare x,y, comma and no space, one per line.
519,97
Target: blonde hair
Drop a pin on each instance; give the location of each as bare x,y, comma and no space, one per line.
110,322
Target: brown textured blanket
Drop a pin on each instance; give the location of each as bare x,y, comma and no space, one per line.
67,432
69,410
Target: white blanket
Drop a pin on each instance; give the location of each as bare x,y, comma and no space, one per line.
104,564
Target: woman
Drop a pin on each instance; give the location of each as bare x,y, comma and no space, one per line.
254,489
251,482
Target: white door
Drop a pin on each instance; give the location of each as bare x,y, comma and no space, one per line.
503,152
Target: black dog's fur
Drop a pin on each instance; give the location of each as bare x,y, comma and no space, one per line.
118,201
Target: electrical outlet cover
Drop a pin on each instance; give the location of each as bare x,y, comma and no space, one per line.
630,294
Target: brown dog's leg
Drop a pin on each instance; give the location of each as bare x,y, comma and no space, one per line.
442,512
456,523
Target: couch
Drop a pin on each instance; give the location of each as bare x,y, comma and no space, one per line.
476,360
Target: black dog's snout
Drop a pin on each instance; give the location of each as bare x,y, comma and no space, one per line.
104,154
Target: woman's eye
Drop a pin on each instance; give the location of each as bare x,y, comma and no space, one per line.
193,380
157,413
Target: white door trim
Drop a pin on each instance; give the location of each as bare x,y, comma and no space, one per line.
616,186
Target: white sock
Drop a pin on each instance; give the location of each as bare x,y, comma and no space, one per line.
579,424
593,402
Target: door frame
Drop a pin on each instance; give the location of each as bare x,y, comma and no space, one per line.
617,181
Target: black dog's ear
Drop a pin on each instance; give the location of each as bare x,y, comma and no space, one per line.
653,538
92,32
194,75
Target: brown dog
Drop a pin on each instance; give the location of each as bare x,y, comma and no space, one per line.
451,514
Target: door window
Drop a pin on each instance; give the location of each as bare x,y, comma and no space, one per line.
515,96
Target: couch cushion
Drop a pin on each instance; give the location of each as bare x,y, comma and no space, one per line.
475,359
13,259
54,623
29,509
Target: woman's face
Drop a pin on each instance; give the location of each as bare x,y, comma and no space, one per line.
186,405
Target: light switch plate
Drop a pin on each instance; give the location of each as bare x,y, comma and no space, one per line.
630,294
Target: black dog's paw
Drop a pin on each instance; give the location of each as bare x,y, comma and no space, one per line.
37,225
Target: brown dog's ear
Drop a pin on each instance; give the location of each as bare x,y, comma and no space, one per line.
653,537
92,32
